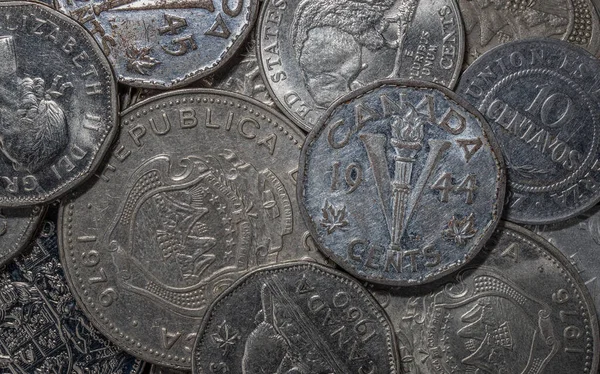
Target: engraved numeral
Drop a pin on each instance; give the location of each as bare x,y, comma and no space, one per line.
90,258
100,279
353,176
174,25
445,186
554,110
184,44
107,297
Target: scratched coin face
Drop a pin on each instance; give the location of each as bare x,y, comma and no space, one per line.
542,100
401,183
579,240
17,227
519,307
41,328
198,190
165,43
313,51
296,319
57,104
489,23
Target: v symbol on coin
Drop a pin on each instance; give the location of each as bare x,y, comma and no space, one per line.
397,197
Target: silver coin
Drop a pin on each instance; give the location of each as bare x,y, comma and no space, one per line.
542,100
313,51
520,307
41,328
155,369
296,319
489,23
165,43
57,104
579,240
199,189
17,227
400,183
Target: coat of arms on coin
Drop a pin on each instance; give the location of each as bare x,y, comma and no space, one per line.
401,183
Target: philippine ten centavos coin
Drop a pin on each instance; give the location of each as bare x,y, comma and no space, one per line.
165,43
42,330
295,319
200,189
519,307
17,227
541,98
400,183
57,104
311,52
579,240
489,23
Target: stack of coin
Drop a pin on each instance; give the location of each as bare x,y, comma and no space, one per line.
299,186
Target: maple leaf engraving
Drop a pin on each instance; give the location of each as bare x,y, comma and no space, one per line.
226,338
333,218
139,60
460,230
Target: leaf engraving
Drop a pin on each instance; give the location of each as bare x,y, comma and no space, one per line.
460,230
333,218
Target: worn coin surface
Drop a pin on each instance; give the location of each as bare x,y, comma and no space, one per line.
400,183
165,43
313,51
519,307
41,328
542,100
491,23
579,240
199,189
17,227
57,104
155,369
295,319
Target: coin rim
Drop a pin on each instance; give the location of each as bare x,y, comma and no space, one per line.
447,268
392,353
37,214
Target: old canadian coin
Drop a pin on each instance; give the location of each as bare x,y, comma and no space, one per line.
41,328
295,319
542,100
400,183
199,190
57,104
579,240
17,227
520,307
313,51
165,43
489,23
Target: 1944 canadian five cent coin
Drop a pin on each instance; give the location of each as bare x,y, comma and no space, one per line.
519,307
165,43
57,104
401,183
295,319
542,100
17,227
198,190
313,51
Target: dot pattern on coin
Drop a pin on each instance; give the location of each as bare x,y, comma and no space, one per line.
311,52
165,43
296,318
519,307
541,98
401,183
57,104
198,190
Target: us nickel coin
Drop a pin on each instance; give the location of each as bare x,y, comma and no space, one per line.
41,328
519,307
297,318
492,23
579,240
165,43
198,190
17,228
311,52
57,104
400,183
542,99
